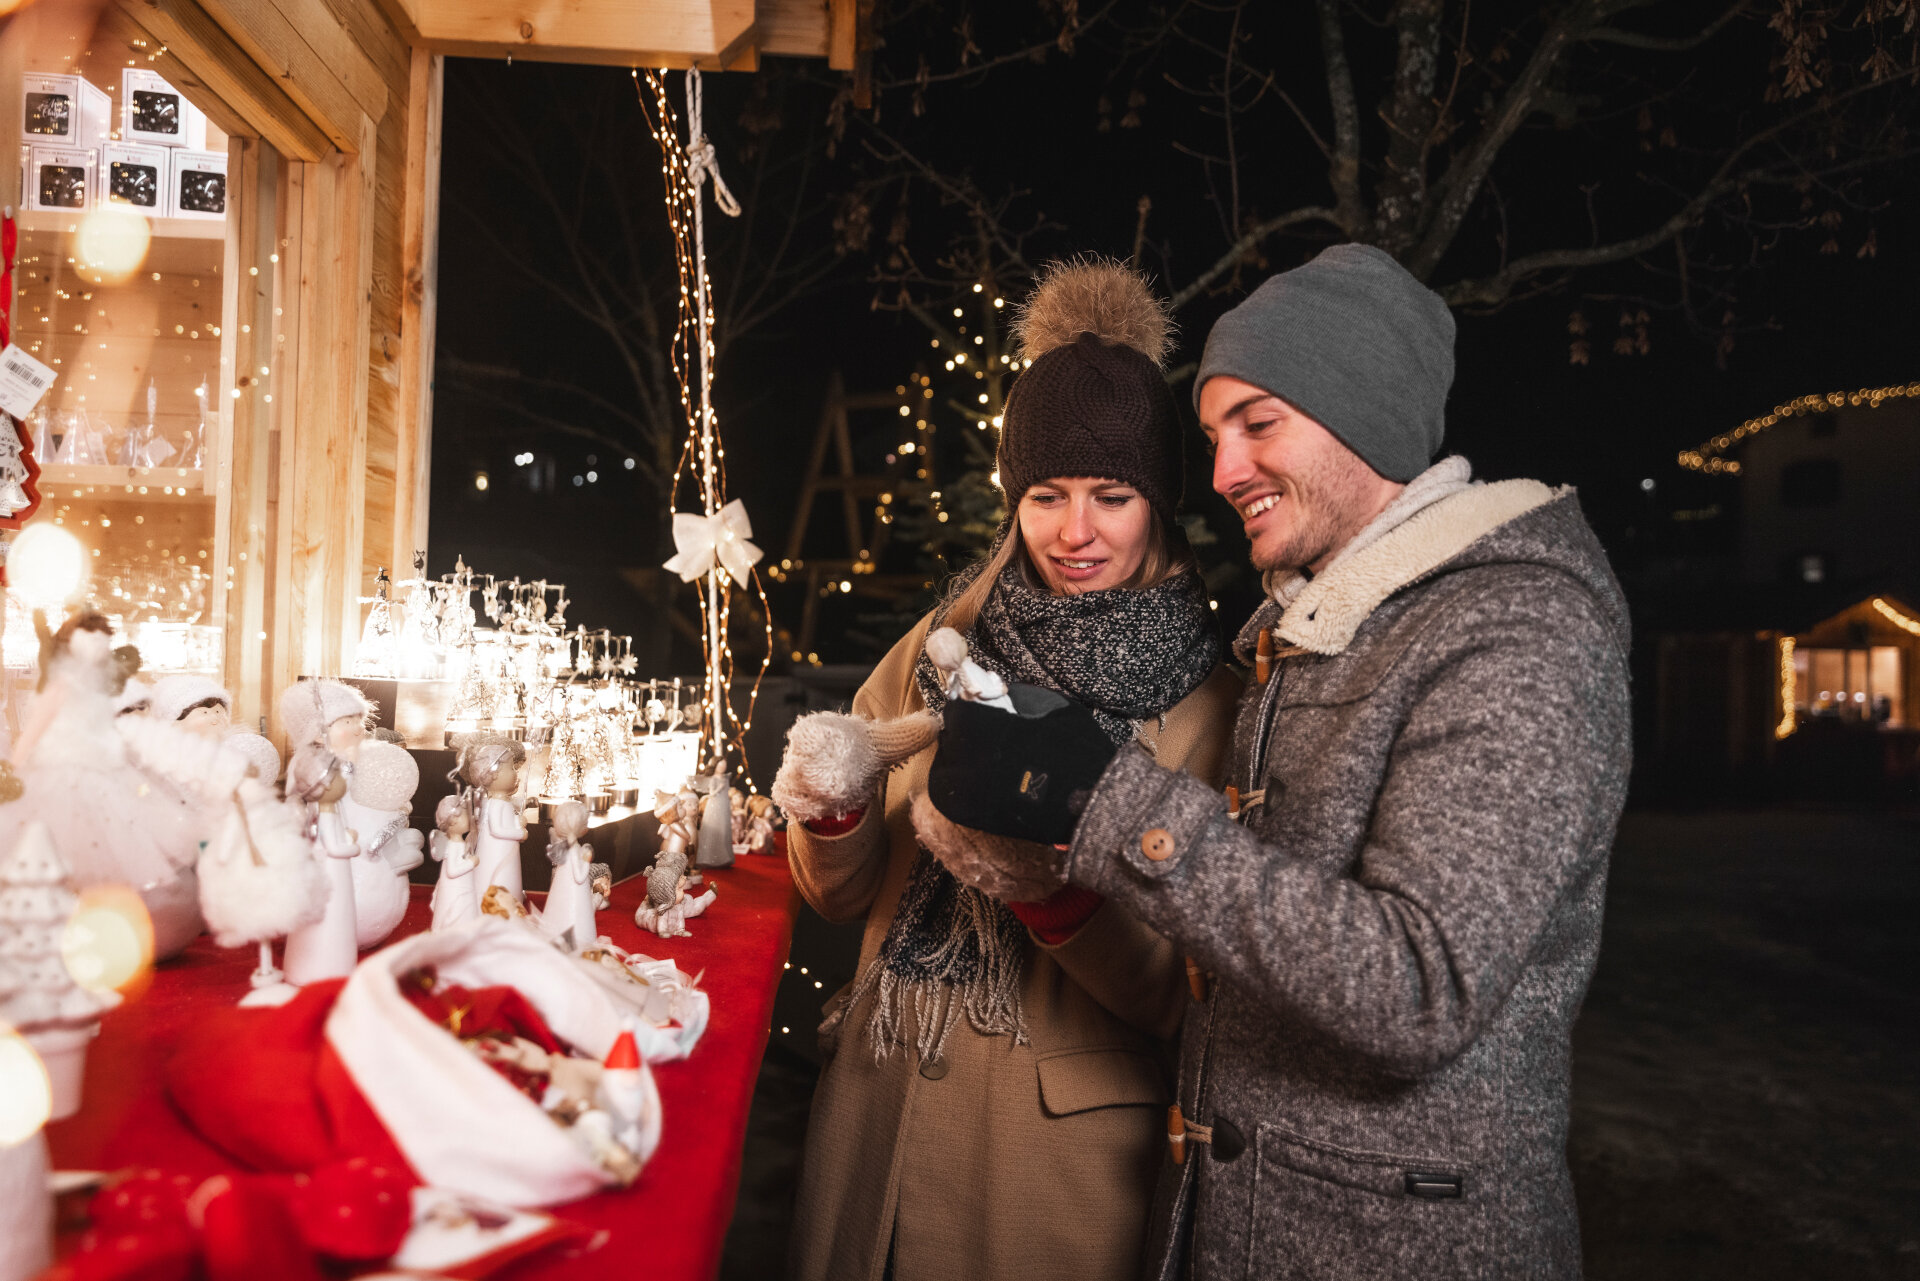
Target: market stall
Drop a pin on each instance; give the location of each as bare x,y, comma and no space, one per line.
232,692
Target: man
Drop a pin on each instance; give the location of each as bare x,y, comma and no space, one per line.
1400,923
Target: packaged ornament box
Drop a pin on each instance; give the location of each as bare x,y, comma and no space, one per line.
199,185
60,179
134,175
154,112
64,111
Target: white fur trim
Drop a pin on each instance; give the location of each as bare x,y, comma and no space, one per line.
1329,610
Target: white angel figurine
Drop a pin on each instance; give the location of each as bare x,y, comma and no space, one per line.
963,677
455,901
326,948
378,802
492,772
570,896
328,712
668,908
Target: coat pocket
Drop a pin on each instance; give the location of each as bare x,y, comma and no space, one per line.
1082,1080
1323,1210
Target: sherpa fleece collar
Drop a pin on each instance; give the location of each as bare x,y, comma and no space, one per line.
1329,610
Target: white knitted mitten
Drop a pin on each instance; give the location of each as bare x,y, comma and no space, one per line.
834,762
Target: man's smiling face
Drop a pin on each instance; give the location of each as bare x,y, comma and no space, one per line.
1301,494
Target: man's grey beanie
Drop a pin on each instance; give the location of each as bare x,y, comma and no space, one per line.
1353,341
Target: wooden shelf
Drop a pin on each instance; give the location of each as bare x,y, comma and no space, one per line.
125,484
162,228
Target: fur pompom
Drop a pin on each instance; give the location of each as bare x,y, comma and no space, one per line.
1093,295
1001,867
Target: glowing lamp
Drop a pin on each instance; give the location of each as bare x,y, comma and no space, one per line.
111,243
26,1096
46,566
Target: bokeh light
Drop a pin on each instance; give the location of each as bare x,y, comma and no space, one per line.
46,566
111,244
108,941
26,1096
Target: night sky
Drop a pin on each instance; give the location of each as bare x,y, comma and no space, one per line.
1811,323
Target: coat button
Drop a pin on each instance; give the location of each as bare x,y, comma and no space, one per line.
1157,844
933,1069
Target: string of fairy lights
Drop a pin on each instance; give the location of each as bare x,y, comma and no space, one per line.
1710,458
703,455
1789,676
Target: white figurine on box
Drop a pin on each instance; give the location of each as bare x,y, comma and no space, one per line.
325,949
378,802
570,895
492,771
456,902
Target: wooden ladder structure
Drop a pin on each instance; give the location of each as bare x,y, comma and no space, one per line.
866,534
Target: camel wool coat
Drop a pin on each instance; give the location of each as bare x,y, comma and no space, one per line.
998,1160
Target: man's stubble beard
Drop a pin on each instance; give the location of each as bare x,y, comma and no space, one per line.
1331,496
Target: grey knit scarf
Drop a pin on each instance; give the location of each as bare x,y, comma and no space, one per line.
1128,655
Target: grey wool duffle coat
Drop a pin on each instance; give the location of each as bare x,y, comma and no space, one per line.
1033,1160
1402,922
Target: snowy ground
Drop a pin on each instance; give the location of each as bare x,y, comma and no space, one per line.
1746,1074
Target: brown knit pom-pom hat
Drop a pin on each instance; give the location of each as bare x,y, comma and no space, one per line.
1094,401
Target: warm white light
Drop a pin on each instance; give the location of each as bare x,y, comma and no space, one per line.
26,1096
111,243
480,481
46,566
108,941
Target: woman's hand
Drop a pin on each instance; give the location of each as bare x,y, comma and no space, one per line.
1001,867
834,762
1026,774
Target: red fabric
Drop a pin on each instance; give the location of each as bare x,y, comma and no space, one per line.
1059,916
739,943
264,1087
839,825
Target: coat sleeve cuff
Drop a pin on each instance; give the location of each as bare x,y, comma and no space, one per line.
1141,823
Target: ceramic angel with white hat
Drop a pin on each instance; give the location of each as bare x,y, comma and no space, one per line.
327,948
200,706
456,901
326,712
570,895
491,771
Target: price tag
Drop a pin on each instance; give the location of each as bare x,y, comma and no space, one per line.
23,380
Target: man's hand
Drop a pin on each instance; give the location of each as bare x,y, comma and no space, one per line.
1028,774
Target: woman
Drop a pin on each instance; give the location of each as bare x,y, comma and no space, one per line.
994,1104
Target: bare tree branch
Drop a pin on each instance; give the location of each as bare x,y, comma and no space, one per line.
1249,242
1344,173
1667,44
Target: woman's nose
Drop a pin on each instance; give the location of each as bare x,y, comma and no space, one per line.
1078,529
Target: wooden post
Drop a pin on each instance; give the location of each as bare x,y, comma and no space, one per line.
420,253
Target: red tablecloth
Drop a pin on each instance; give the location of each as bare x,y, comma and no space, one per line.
670,1224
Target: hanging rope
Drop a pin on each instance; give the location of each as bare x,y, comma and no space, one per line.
685,167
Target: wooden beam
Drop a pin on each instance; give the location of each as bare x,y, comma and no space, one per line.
794,28
420,252
655,33
335,88
843,34
325,520
244,539
223,80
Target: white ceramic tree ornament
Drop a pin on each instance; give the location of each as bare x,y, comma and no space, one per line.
57,1016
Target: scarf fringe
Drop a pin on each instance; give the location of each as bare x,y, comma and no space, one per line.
990,1003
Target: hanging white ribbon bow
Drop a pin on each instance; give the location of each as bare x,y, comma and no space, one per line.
722,538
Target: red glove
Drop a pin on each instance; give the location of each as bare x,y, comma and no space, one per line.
1059,916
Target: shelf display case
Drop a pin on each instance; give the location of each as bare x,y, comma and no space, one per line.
129,437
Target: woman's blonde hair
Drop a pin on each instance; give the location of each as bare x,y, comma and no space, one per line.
1167,556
